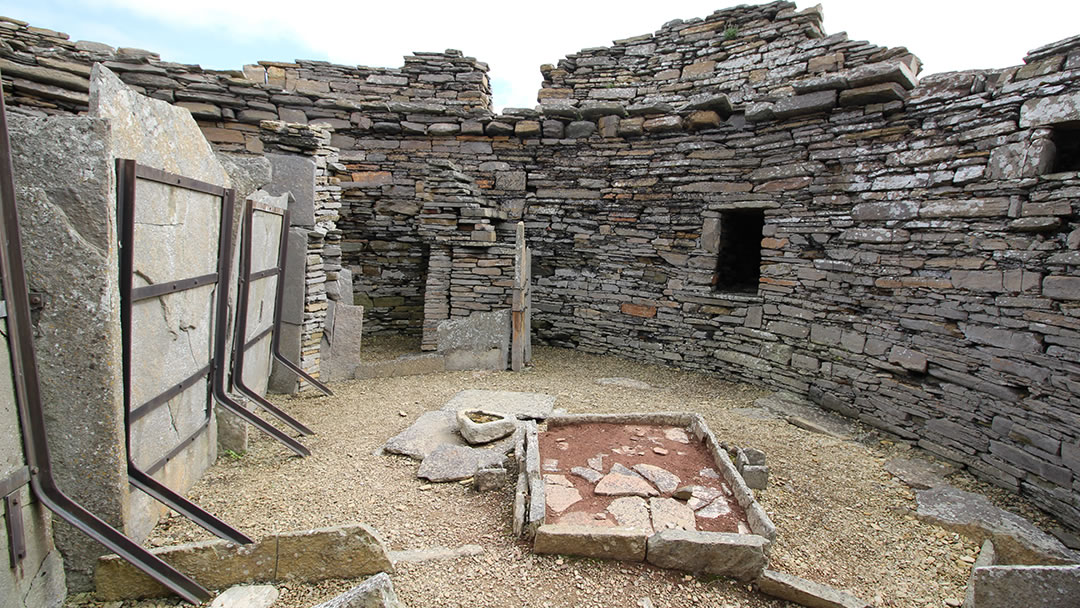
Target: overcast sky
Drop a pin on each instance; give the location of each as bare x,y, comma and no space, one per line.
515,37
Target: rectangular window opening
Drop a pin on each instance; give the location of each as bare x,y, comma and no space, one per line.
738,264
1066,140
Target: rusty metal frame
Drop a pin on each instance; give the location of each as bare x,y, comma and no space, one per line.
127,172
279,308
28,400
243,297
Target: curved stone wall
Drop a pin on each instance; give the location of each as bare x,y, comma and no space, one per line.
919,244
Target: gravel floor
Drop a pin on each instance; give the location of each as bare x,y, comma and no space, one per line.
842,520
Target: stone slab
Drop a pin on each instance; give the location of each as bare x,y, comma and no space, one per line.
1042,586
668,513
347,551
342,341
626,544
526,406
987,557
631,512
455,462
66,197
805,592
478,335
246,596
740,556
375,592
1016,540
430,431
917,473
295,174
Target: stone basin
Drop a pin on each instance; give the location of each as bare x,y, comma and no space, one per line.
479,426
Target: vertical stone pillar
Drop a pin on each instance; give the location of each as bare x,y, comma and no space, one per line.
436,295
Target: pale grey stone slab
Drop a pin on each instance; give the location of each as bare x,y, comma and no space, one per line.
246,596
1015,539
1042,586
526,406
740,556
806,592
295,175
375,592
453,462
430,431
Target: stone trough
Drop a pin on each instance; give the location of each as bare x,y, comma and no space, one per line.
655,487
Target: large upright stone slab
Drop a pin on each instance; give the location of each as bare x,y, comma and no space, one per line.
341,345
479,341
295,175
67,207
176,237
283,380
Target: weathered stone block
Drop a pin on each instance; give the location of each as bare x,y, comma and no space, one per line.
295,175
626,544
375,592
819,101
805,592
1050,110
1061,287
348,551
1010,586
883,92
739,556
875,73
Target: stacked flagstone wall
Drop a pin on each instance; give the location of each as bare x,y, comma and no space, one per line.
919,242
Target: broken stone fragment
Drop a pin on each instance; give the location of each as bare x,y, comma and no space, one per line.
718,507
617,484
631,512
664,480
487,480
560,497
589,475
668,513
453,463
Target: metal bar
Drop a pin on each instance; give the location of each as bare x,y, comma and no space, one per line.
259,336
221,314
188,509
267,208
158,464
28,400
168,395
159,289
242,300
262,274
180,181
16,480
127,171
279,307
16,532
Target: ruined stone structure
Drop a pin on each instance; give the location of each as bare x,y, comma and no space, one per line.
740,194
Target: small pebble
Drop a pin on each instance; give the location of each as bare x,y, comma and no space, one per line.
660,451
402,414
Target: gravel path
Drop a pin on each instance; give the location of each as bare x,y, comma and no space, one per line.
842,520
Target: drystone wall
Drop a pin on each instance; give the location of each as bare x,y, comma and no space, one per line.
917,266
